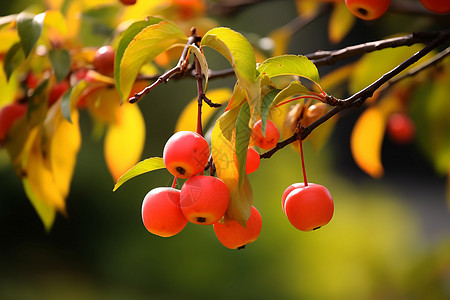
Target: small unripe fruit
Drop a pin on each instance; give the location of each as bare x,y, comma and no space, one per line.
253,160
161,212
437,6
204,199
104,60
309,208
368,9
186,153
400,128
267,141
8,115
234,236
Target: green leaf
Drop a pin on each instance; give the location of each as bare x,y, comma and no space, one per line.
236,49
289,65
243,133
141,45
60,59
239,52
294,89
147,165
29,27
265,104
65,104
223,150
14,57
70,97
125,39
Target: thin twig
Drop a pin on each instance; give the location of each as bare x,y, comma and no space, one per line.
179,68
321,58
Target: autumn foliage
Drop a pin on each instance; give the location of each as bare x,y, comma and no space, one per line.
55,66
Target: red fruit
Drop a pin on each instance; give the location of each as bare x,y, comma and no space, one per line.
32,81
400,128
437,6
104,60
289,189
8,115
270,139
57,91
161,212
309,208
186,153
204,199
234,236
368,9
253,160
128,2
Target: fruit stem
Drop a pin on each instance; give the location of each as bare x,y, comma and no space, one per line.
302,158
174,183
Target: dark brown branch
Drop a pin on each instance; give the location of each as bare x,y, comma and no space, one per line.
181,67
361,96
321,58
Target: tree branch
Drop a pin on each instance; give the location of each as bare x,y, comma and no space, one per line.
361,96
321,58
181,67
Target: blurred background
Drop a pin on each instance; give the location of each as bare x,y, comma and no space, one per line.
389,238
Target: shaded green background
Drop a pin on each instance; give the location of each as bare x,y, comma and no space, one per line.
388,239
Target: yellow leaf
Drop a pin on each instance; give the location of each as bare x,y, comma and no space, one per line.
103,103
39,175
46,213
188,118
64,146
366,141
56,20
73,17
341,21
223,151
124,141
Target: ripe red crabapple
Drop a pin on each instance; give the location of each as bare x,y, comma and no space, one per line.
368,9
309,207
161,212
204,199
186,153
267,141
234,236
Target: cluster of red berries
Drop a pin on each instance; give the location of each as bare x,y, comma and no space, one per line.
202,199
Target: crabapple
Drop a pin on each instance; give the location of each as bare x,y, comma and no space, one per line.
270,139
186,153
8,115
290,189
128,2
104,60
400,128
204,199
309,207
57,91
161,212
253,160
437,6
368,9
234,236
